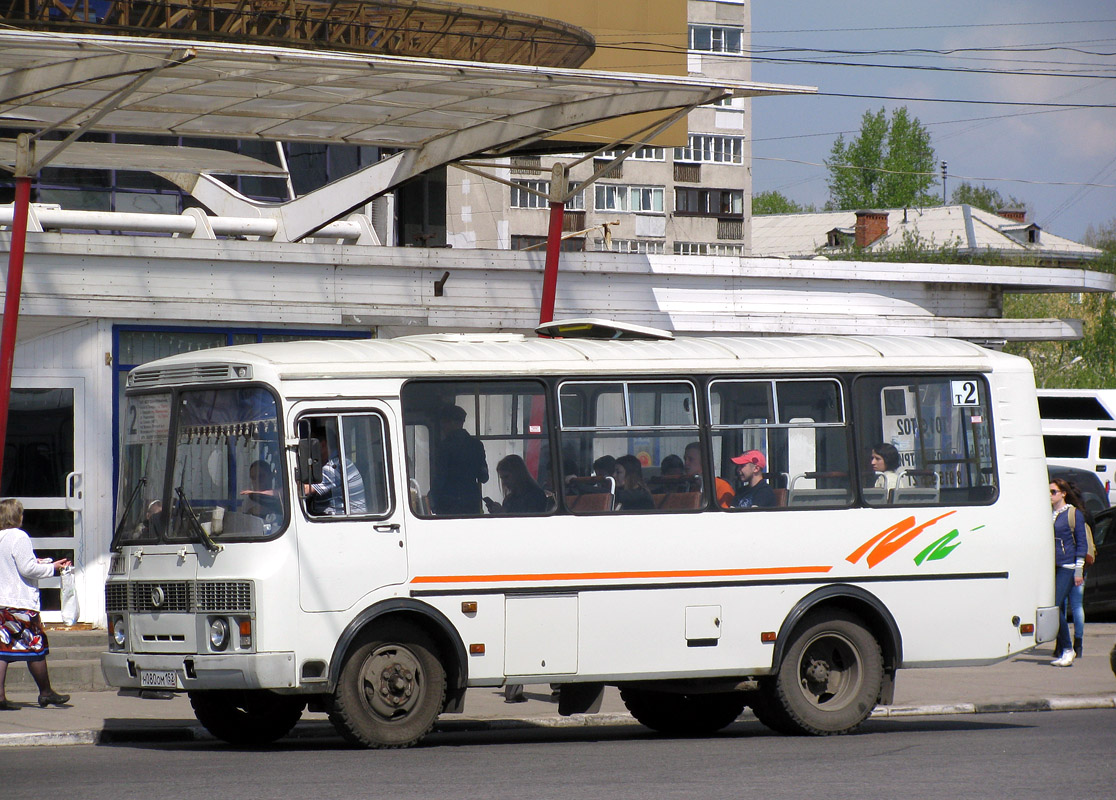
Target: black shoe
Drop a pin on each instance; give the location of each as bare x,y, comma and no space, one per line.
53,699
6,706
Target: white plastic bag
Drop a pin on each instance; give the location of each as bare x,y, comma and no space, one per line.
70,610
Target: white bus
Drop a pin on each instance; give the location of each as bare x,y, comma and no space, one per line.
389,587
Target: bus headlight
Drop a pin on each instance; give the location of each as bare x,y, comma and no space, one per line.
119,632
218,633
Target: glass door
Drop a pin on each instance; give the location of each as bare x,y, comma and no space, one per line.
44,468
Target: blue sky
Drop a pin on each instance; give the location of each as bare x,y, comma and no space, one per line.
1045,156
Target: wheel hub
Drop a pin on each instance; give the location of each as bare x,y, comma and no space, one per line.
397,684
817,673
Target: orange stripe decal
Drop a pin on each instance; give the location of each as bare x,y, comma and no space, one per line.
606,576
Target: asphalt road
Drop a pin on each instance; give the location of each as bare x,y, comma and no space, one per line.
1029,755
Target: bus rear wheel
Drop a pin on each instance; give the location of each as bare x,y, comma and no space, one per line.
391,689
829,680
247,718
683,714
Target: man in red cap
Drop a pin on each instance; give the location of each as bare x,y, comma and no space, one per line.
755,491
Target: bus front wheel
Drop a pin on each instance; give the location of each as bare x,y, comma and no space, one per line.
829,679
683,714
391,689
247,718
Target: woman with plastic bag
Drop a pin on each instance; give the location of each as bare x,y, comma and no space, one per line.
22,637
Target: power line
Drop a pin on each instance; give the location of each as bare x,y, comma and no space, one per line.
935,174
966,102
938,27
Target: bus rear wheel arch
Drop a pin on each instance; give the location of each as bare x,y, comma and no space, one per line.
391,688
829,679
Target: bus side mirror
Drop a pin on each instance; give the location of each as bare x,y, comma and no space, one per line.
309,461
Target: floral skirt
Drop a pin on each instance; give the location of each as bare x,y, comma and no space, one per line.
22,637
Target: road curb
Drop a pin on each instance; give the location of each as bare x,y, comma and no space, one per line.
320,728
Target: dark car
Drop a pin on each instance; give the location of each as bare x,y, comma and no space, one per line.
1100,579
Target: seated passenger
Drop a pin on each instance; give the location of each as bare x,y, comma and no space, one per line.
672,467
522,495
604,467
755,491
632,493
694,466
885,462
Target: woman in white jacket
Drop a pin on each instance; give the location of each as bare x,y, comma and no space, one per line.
22,637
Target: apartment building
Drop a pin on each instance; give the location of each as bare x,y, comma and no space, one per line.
687,200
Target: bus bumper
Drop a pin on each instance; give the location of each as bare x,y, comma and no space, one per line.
1046,624
193,672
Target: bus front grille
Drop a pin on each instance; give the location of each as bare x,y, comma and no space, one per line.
224,596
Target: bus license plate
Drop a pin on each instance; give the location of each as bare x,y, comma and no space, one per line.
159,680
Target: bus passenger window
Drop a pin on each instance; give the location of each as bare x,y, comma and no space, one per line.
477,447
353,453
781,443
624,445
924,440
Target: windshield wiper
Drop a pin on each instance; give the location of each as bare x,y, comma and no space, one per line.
114,545
195,525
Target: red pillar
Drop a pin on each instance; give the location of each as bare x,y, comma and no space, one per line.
11,303
550,272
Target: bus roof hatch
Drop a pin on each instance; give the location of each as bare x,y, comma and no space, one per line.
589,328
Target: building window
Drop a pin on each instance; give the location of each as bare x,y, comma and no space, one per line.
709,202
642,154
716,39
521,197
610,197
643,246
707,249
712,149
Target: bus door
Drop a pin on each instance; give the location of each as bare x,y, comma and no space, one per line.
350,523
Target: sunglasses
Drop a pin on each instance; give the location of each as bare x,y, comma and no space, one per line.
1055,491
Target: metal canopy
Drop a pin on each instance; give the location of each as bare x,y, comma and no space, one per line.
149,158
273,93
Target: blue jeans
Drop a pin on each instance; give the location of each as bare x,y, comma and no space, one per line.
1077,609
1064,591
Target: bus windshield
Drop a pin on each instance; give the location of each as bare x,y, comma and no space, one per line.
225,479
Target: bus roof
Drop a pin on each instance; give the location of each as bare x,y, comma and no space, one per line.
515,354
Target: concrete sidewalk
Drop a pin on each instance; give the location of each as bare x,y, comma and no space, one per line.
1024,683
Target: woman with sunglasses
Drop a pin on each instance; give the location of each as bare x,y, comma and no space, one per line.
1070,546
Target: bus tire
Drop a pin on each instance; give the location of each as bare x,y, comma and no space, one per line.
247,717
768,710
391,689
829,679
683,714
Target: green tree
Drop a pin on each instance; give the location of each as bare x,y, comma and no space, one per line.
890,164
983,197
773,202
1102,237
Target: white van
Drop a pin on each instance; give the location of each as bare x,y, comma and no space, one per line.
1079,430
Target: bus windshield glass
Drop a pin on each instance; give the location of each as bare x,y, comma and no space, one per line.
225,476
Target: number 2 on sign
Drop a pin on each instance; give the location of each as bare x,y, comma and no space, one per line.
964,393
